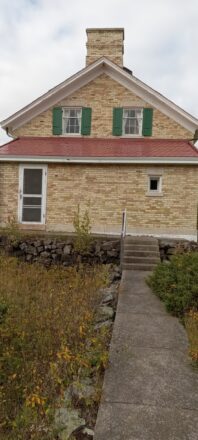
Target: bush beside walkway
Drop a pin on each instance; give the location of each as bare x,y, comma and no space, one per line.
176,284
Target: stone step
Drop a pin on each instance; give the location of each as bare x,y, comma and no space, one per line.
141,260
138,266
137,253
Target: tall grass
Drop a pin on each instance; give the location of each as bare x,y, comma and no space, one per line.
191,323
46,333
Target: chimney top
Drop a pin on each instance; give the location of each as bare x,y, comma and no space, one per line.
105,30
107,42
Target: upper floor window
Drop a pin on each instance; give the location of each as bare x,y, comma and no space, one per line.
72,120
132,121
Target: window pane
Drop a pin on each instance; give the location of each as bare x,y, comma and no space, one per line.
32,201
65,113
73,126
135,126
64,125
131,126
32,181
154,184
31,215
127,126
131,113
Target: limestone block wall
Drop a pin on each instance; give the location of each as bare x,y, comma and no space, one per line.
108,189
102,95
9,182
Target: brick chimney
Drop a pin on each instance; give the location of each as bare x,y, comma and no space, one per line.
107,42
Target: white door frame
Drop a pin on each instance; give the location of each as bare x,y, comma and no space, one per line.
43,195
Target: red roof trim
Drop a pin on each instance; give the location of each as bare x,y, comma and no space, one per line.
83,147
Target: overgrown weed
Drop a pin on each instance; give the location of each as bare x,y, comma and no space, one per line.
82,228
46,339
12,230
191,323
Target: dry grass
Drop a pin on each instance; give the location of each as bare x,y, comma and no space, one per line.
191,322
47,338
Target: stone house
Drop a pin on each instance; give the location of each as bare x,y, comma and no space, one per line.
103,138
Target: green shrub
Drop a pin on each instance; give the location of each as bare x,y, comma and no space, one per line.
176,283
12,230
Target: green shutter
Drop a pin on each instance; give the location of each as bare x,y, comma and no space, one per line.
117,121
86,121
147,122
57,120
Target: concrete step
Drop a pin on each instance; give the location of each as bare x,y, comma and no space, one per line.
137,253
141,260
140,253
146,241
138,266
140,237
141,247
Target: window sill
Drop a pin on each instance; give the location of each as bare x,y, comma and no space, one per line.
70,135
131,136
32,226
154,194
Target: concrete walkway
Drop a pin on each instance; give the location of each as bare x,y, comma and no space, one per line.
150,389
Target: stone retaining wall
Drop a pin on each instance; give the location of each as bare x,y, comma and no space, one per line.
171,247
54,250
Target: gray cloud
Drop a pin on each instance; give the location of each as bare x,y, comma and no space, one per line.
42,42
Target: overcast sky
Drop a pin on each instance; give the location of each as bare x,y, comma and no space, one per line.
42,42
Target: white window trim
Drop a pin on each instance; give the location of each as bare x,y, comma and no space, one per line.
158,191
44,193
132,135
71,108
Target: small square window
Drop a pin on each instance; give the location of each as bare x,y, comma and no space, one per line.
155,185
72,120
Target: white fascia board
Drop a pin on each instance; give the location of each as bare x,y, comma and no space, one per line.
56,94
50,100
155,99
98,160
75,82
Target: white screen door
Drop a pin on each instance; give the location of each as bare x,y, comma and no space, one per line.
32,194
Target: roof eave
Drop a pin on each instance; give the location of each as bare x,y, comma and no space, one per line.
102,160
